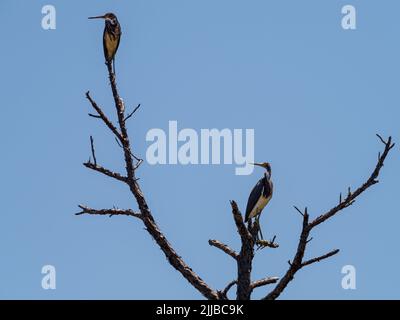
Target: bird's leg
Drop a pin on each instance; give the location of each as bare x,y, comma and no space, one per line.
259,227
261,243
114,65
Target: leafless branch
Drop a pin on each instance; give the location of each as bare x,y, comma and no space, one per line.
101,114
299,211
145,214
298,262
267,244
131,114
94,115
93,151
248,236
318,259
382,140
224,248
223,294
241,227
263,282
351,196
108,212
105,171
246,255
139,161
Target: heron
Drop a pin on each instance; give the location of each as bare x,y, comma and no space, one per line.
260,195
111,36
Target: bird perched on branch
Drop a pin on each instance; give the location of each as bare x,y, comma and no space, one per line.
111,36
260,195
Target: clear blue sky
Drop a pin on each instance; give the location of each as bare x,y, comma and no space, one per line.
314,94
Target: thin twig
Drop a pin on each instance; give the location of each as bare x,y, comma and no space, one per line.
131,114
224,293
139,161
105,171
93,152
318,259
380,138
298,210
102,115
94,115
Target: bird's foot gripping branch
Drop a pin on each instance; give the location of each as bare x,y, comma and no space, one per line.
261,244
259,197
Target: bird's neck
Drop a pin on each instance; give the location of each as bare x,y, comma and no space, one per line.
111,22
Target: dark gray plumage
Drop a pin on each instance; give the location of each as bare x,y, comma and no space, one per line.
260,195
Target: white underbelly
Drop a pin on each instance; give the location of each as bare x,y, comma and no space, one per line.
260,205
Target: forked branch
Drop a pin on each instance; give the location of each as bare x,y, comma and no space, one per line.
307,226
132,163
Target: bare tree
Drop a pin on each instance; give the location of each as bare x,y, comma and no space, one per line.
247,233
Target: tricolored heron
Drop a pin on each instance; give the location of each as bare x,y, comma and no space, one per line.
111,36
260,195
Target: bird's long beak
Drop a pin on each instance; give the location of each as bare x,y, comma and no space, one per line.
98,17
256,164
